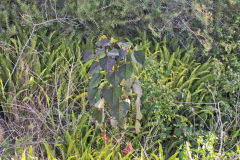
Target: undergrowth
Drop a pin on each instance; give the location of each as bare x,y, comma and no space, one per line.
190,107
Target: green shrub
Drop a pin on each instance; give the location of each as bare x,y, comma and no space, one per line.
173,82
212,25
225,90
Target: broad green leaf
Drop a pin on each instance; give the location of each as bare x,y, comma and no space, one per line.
113,122
113,53
96,80
103,43
93,95
137,88
111,95
138,108
137,126
138,57
122,54
98,114
115,111
127,91
125,45
107,63
124,107
125,71
87,56
129,83
113,78
101,50
94,67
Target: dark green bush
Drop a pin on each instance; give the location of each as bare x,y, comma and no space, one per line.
212,25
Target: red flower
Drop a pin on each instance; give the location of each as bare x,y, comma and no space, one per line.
106,139
128,148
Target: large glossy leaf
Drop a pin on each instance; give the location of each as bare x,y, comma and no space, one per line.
111,95
103,43
96,80
107,63
122,54
94,67
87,56
101,50
125,71
113,78
93,95
113,53
138,57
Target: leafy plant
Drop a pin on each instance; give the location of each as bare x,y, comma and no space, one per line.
205,150
172,76
113,80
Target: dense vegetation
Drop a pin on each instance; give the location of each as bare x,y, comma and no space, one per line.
126,79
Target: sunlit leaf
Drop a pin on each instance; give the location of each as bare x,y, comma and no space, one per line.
113,122
107,63
125,45
137,88
137,126
113,53
129,83
138,108
100,103
138,57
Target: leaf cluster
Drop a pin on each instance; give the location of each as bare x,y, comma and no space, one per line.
113,79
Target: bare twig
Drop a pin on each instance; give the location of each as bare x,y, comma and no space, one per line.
221,129
20,55
188,151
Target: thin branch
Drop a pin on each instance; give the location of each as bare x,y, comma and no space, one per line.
188,151
20,56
